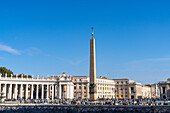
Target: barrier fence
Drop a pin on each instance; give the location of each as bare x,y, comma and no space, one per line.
36,108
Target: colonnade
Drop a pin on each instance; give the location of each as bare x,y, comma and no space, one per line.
31,91
35,91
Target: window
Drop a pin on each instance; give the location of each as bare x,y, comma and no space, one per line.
117,82
74,87
121,95
163,89
122,82
85,87
79,87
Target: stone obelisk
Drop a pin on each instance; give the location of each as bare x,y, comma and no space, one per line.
93,87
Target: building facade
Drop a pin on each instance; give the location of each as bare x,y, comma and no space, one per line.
164,87
128,89
70,87
155,92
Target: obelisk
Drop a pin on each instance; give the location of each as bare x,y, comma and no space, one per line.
93,87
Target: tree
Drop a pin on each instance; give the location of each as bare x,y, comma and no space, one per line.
4,70
25,76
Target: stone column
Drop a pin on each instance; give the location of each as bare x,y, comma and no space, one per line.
42,91
68,96
21,88
52,91
55,91
37,92
60,91
16,87
47,91
26,94
82,91
70,92
32,91
10,91
77,91
129,92
123,92
87,87
135,95
5,90
119,92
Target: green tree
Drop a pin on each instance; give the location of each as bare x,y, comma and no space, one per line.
25,76
4,70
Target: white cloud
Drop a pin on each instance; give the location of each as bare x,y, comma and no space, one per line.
32,51
9,49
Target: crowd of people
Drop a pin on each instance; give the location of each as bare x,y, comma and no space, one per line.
144,102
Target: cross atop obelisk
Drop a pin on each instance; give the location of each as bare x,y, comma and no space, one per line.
92,32
93,87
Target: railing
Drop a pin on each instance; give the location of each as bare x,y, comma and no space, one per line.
20,78
84,108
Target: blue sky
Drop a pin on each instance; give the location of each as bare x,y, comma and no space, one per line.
51,37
